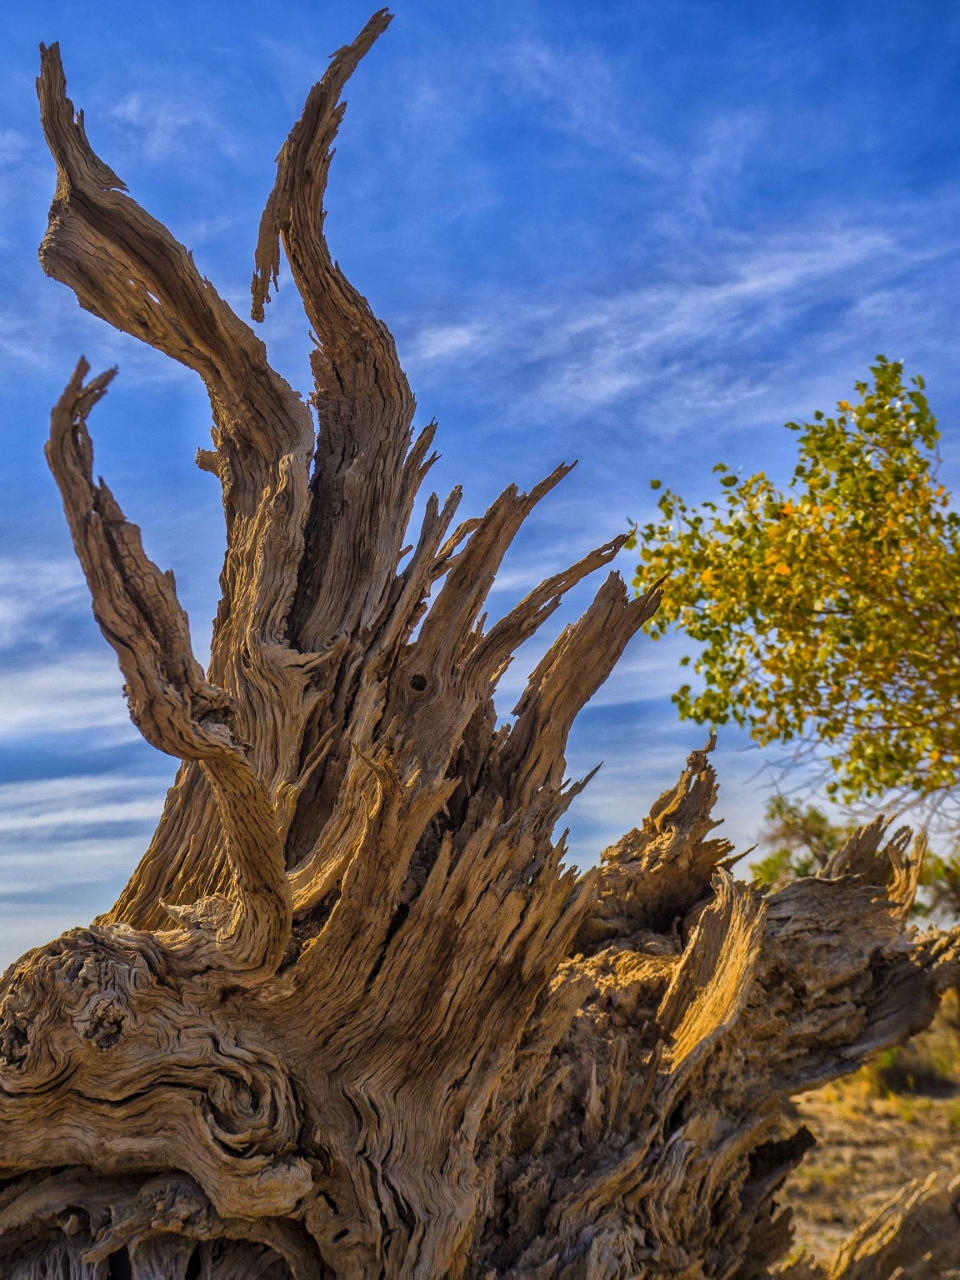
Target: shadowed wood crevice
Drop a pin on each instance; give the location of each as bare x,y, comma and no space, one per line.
353,1015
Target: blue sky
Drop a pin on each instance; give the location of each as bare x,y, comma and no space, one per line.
637,234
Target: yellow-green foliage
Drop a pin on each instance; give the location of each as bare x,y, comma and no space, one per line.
830,610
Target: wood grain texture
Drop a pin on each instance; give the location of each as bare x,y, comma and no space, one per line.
352,1016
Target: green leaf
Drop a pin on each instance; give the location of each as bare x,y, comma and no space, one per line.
855,644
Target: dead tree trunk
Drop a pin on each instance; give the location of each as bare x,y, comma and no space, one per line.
351,1017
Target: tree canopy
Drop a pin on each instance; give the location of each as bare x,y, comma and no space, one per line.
828,613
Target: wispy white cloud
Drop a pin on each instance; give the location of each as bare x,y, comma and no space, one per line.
28,924
577,92
655,338
54,867
81,694
46,685
79,801
585,94
445,342
66,846
678,343
162,125
35,597
717,330
40,321
60,837
13,146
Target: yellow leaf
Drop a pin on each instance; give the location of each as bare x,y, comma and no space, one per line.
782,569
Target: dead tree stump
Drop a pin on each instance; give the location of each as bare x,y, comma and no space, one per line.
351,1017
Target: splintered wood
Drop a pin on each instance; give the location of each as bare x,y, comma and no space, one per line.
352,1017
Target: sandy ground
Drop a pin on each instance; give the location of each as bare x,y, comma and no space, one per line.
868,1147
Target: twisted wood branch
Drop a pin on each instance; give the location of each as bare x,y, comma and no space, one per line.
171,702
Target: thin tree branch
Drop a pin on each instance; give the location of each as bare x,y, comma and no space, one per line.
361,497
126,267
134,603
171,702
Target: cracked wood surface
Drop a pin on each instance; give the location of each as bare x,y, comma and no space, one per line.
352,1016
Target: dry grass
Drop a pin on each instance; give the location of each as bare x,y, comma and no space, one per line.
896,1119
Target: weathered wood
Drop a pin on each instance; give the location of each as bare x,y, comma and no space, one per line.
913,1236
352,1017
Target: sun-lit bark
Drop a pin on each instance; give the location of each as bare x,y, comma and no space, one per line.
352,1017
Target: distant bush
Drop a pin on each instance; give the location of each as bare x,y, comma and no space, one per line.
801,840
